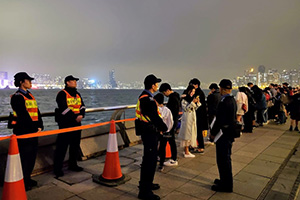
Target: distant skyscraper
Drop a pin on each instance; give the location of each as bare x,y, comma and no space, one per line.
112,79
261,69
3,75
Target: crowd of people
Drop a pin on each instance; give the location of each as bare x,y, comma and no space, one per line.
158,124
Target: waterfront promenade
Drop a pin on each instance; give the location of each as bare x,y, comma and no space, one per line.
266,165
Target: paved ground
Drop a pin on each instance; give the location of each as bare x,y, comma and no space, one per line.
266,165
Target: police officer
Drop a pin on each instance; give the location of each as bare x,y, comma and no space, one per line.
225,121
151,125
71,110
27,119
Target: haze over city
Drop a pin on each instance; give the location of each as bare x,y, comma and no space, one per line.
174,39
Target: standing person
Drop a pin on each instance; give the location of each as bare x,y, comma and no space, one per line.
213,100
149,126
242,103
27,119
167,117
201,113
71,110
225,121
188,129
174,105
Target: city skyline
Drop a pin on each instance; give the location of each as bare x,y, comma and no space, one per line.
173,39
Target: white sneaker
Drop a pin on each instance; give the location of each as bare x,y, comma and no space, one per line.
209,143
171,163
188,155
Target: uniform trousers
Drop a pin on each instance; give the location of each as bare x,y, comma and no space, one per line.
223,150
148,166
28,152
64,140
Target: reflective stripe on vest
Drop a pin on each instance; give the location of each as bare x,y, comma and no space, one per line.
31,107
74,103
138,113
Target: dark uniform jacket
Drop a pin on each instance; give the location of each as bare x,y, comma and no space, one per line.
149,109
226,117
212,102
67,118
24,122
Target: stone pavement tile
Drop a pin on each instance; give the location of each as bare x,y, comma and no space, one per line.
75,177
75,198
125,161
179,195
127,151
212,170
229,196
184,172
168,181
101,193
44,179
79,187
276,151
283,185
262,167
273,195
205,159
241,159
135,174
127,196
246,154
134,155
49,192
206,178
275,159
249,185
197,166
95,169
293,165
130,185
255,148
238,145
88,162
284,146
196,189
288,140
129,168
237,167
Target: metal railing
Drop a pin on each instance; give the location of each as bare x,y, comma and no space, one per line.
117,109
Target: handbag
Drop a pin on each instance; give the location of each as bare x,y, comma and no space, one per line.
244,107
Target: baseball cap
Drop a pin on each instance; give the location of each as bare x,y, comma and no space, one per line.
225,83
151,79
22,76
70,78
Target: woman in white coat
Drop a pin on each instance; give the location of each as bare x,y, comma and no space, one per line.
188,129
242,103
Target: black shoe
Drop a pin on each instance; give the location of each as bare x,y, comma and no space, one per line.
291,128
217,181
59,173
296,128
155,186
150,196
75,168
218,188
33,183
28,187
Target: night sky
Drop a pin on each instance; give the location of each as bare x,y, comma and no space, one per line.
175,39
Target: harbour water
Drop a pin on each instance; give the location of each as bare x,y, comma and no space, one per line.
92,99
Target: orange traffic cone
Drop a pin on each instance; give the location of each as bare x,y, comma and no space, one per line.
13,183
168,150
112,175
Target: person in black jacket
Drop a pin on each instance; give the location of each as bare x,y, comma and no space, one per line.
174,105
71,110
225,122
201,113
151,126
213,100
27,119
